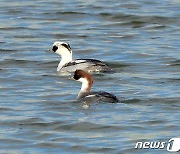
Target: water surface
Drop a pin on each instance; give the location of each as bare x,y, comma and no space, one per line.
38,111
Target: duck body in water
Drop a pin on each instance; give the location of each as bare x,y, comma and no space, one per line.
67,64
85,93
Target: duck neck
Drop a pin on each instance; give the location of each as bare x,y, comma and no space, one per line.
65,58
85,88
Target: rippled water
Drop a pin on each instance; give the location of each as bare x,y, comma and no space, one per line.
139,39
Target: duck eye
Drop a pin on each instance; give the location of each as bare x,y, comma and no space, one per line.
54,48
76,76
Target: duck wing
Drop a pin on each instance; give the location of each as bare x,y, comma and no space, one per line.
89,65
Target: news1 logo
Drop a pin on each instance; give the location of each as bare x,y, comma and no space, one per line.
173,145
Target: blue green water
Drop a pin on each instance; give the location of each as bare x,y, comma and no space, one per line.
38,107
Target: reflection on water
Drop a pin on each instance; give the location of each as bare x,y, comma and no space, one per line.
38,110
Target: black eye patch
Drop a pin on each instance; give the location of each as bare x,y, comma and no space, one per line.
66,46
54,48
77,76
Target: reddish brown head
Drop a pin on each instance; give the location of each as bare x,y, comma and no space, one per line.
85,78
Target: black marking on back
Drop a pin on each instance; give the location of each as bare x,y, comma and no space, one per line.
108,95
94,62
90,64
102,96
70,64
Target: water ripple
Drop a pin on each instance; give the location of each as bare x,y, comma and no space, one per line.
38,108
